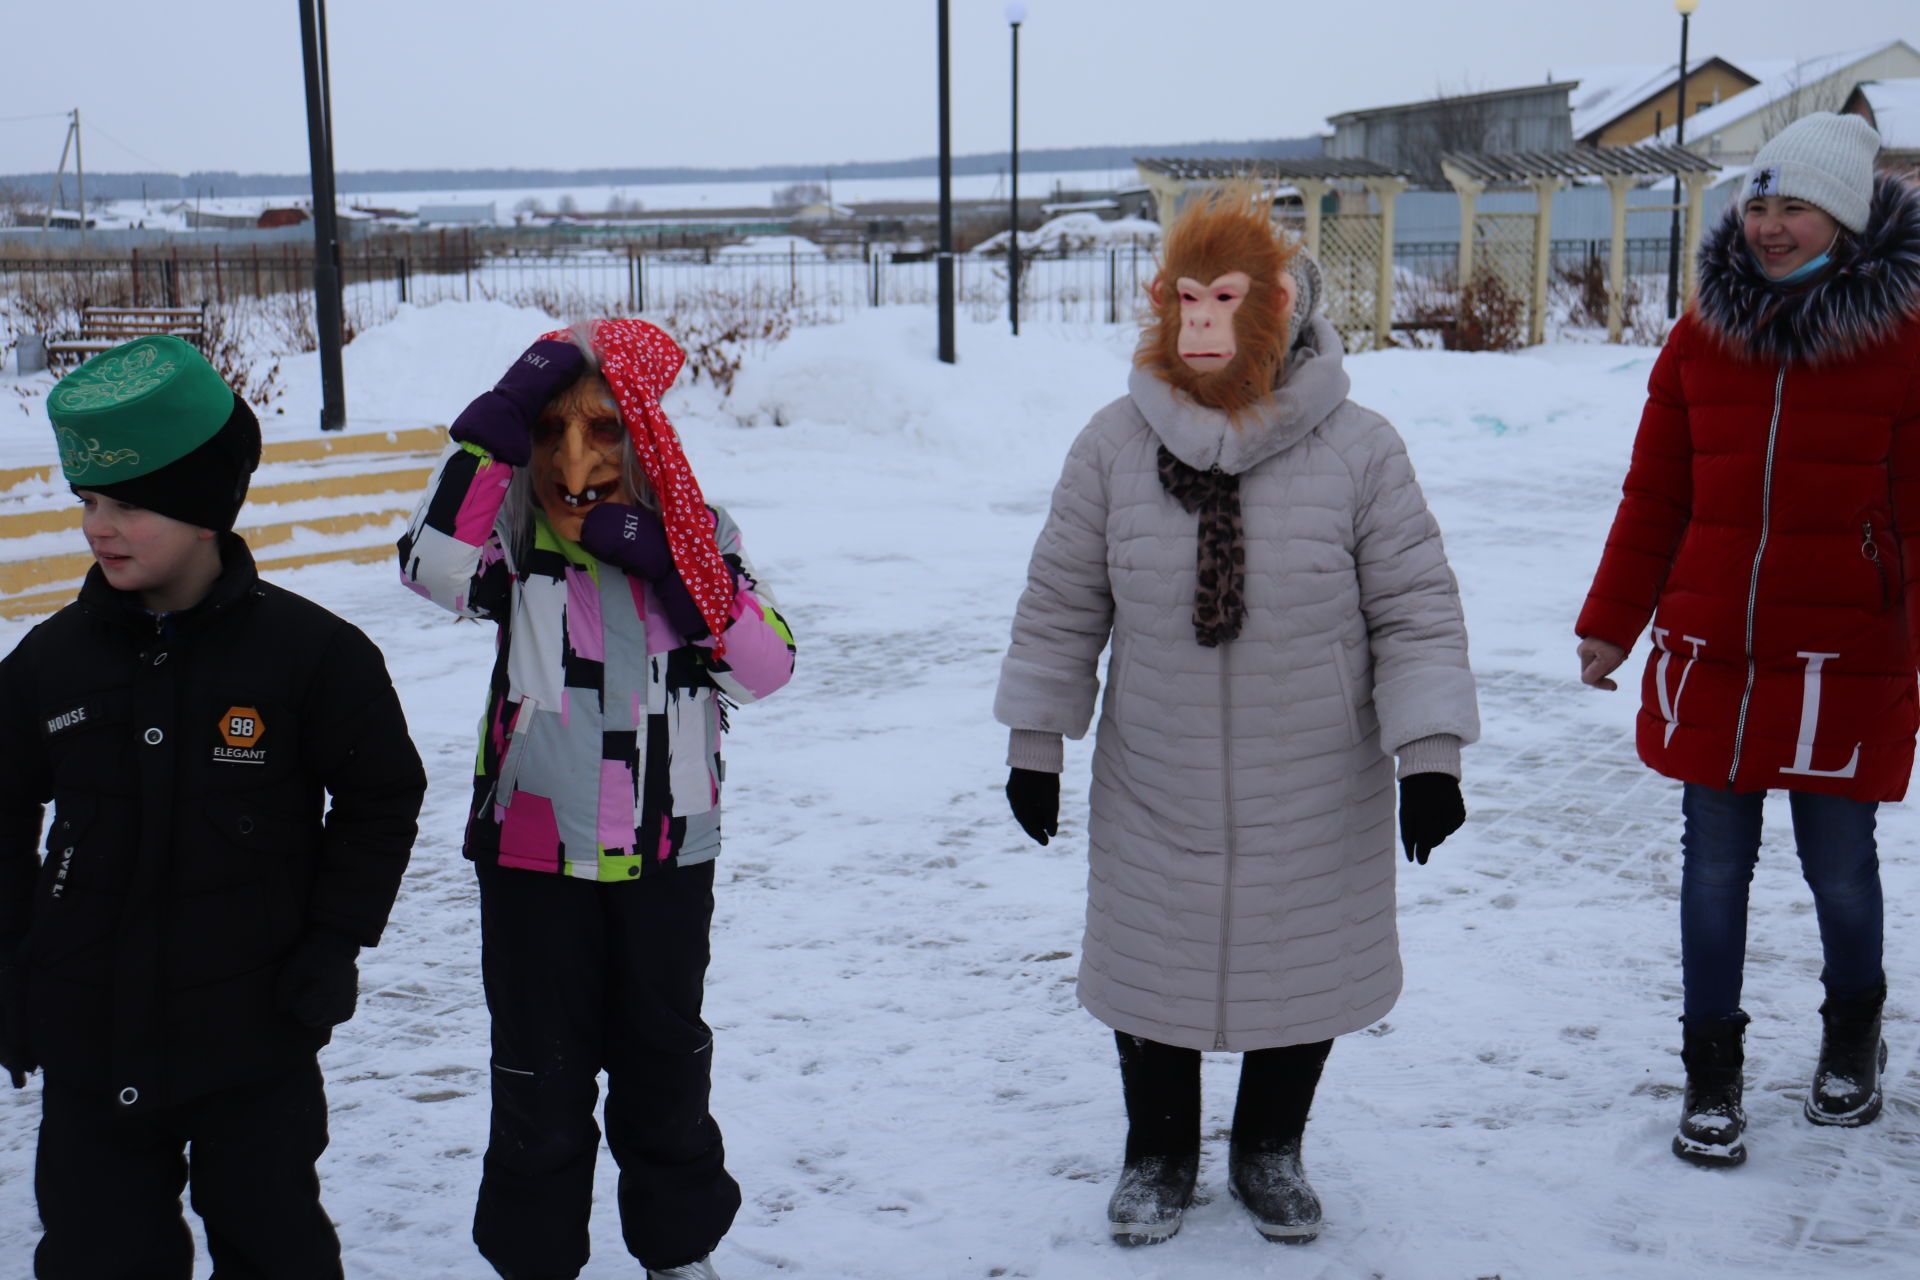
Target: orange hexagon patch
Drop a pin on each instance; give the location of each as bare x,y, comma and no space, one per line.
242,728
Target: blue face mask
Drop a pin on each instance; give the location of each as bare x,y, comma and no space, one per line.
1802,272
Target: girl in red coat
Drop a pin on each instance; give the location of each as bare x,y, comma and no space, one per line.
1770,516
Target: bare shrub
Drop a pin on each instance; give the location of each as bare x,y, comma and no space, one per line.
231,348
566,301
1579,292
719,329
288,318
1485,316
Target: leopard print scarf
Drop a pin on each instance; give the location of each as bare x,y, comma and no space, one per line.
1219,597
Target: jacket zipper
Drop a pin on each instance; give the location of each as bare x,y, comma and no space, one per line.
1226,879
1870,551
1753,578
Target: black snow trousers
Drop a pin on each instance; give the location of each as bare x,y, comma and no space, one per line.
584,977
109,1184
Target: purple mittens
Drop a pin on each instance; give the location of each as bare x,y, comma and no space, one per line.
632,537
636,539
501,421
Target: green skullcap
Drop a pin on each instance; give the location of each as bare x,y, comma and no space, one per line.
130,411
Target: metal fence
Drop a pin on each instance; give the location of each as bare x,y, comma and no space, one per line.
1102,286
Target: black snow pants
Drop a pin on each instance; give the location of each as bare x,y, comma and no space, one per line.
584,977
109,1184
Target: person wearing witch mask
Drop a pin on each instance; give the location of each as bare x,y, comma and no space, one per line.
629,617
1770,534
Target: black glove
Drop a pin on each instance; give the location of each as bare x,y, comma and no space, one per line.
501,420
319,982
1430,810
1034,797
14,1055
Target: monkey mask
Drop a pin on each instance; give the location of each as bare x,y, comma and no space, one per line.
1222,302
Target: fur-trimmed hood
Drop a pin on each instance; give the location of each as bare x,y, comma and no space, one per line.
1872,287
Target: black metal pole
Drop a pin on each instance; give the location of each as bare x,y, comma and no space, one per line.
943,265
327,300
1013,203
1679,140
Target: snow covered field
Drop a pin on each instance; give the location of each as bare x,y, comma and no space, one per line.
908,1088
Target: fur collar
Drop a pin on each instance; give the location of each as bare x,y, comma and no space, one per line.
1872,287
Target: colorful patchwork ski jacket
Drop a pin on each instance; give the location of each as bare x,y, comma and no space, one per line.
600,746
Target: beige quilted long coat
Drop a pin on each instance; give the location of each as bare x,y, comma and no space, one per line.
1241,839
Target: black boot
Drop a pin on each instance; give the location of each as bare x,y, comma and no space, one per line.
1712,1120
1846,1084
1269,1118
1162,1086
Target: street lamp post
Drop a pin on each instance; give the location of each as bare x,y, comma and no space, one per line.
328,302
1685,8
943,261
1016,14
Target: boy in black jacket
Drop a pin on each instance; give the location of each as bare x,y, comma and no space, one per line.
188,943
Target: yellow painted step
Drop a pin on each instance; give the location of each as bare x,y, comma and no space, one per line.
22,575
413,440
50,601
19,524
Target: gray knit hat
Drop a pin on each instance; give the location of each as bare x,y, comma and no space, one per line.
1306,274
1824,159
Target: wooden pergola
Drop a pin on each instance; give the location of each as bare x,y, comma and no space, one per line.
1622,168
1313,177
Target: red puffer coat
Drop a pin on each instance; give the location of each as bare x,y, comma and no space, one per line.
1770,527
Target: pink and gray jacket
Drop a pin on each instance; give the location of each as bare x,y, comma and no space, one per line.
600,747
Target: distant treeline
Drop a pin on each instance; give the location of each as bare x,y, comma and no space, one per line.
168,186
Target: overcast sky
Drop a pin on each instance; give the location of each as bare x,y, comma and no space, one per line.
216,84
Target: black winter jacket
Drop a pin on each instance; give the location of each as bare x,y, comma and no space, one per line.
188,767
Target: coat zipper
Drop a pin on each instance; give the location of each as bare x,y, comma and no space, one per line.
1753,579
1226,879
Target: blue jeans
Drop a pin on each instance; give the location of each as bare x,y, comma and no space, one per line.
1721,844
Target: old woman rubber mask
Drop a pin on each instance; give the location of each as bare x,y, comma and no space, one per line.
578,446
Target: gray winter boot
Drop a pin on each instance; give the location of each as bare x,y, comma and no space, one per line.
702,1269
1712,1120
1846,1083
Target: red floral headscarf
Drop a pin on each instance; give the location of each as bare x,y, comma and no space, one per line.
639,362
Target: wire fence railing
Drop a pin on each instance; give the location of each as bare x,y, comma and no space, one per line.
44,294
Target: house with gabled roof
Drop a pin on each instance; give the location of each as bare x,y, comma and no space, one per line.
1893,108
1732,132
1619,106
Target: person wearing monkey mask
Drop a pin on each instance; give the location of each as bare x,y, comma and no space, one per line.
1282,623
565,513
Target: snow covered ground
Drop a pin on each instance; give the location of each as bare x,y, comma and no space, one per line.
907,1085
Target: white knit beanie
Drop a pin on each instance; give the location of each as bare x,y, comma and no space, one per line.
1824,159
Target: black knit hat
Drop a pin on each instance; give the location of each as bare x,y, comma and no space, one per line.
207,486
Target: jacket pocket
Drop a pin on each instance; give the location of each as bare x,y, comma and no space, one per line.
514,758
1348,685
66,835
1870,552
693,747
